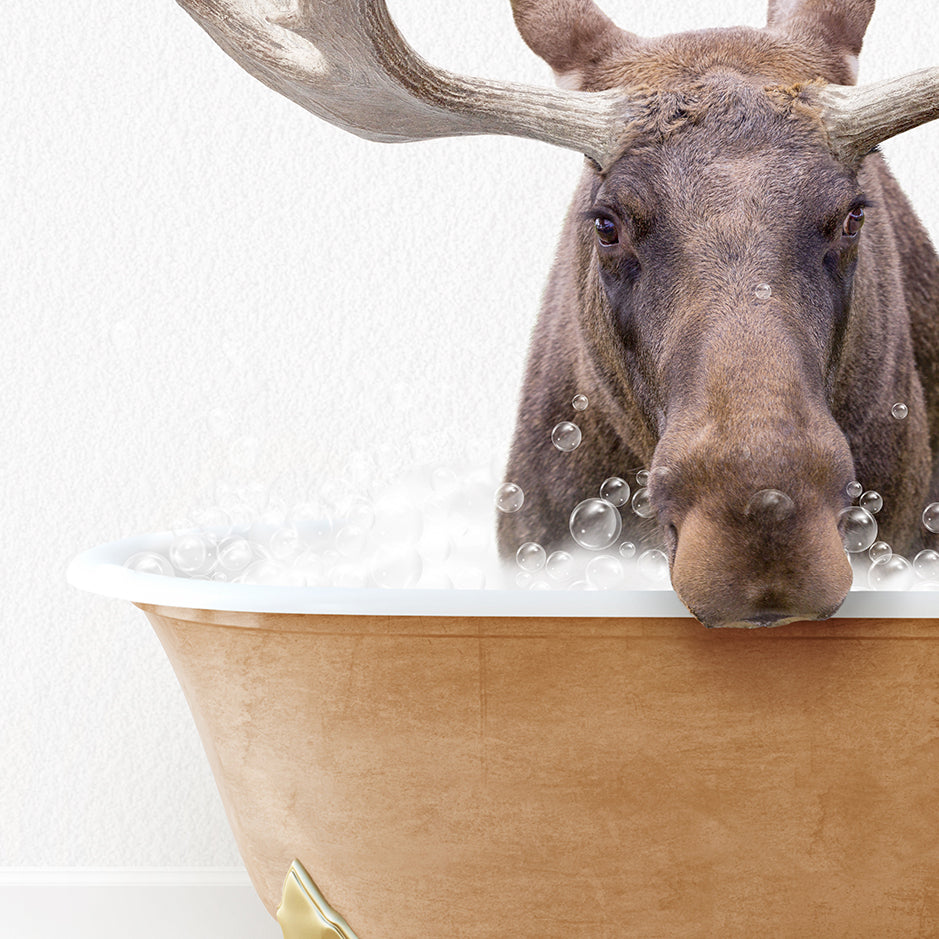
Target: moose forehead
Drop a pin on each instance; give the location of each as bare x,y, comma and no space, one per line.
727,145
665,61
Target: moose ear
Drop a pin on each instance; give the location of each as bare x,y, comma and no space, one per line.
838,26
572,36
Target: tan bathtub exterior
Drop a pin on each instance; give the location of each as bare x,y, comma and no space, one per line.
442,778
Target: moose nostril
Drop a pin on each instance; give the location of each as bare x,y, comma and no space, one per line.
770,505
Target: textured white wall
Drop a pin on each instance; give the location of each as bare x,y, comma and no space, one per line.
189,259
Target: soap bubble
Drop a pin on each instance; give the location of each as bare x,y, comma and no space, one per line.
523,580
642,504
566,436
531,556
234,554
893,573
770,505
215,522
595,524
858,529
615,491
879,550
310,566
899,411
150,562
931,516
580,402
242,516
560,566
642,477
627,550
360,513
395,566
189,552
313,521
763,291
653,565
509,497
285,543
872,501
854,489
604,572
926,565
350,541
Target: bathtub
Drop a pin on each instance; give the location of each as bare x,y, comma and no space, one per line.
444,764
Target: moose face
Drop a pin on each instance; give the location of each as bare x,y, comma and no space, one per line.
712,288
725,243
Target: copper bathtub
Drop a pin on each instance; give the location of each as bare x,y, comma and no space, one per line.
444,764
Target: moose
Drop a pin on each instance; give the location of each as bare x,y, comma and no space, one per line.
741,288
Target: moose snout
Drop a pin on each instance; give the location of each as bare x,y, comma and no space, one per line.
765,571
755,543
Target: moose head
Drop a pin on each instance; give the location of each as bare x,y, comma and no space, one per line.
741,288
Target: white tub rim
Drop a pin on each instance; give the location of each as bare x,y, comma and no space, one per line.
101,570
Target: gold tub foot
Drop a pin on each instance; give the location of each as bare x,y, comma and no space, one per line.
304,913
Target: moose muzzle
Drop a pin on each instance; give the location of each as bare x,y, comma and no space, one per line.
751,519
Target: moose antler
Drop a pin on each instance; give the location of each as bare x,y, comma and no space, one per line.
345,61
860,117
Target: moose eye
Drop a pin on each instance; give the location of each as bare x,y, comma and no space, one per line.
606,231
853,223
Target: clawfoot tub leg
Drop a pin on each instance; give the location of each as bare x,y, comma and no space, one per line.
304,913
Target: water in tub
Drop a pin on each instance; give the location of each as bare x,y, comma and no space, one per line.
434,528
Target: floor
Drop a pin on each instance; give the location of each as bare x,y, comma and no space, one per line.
143,912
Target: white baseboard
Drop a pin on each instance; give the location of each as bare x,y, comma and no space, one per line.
146,903
123,876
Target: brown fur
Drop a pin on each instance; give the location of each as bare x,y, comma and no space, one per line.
838,24
568,34
727,181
